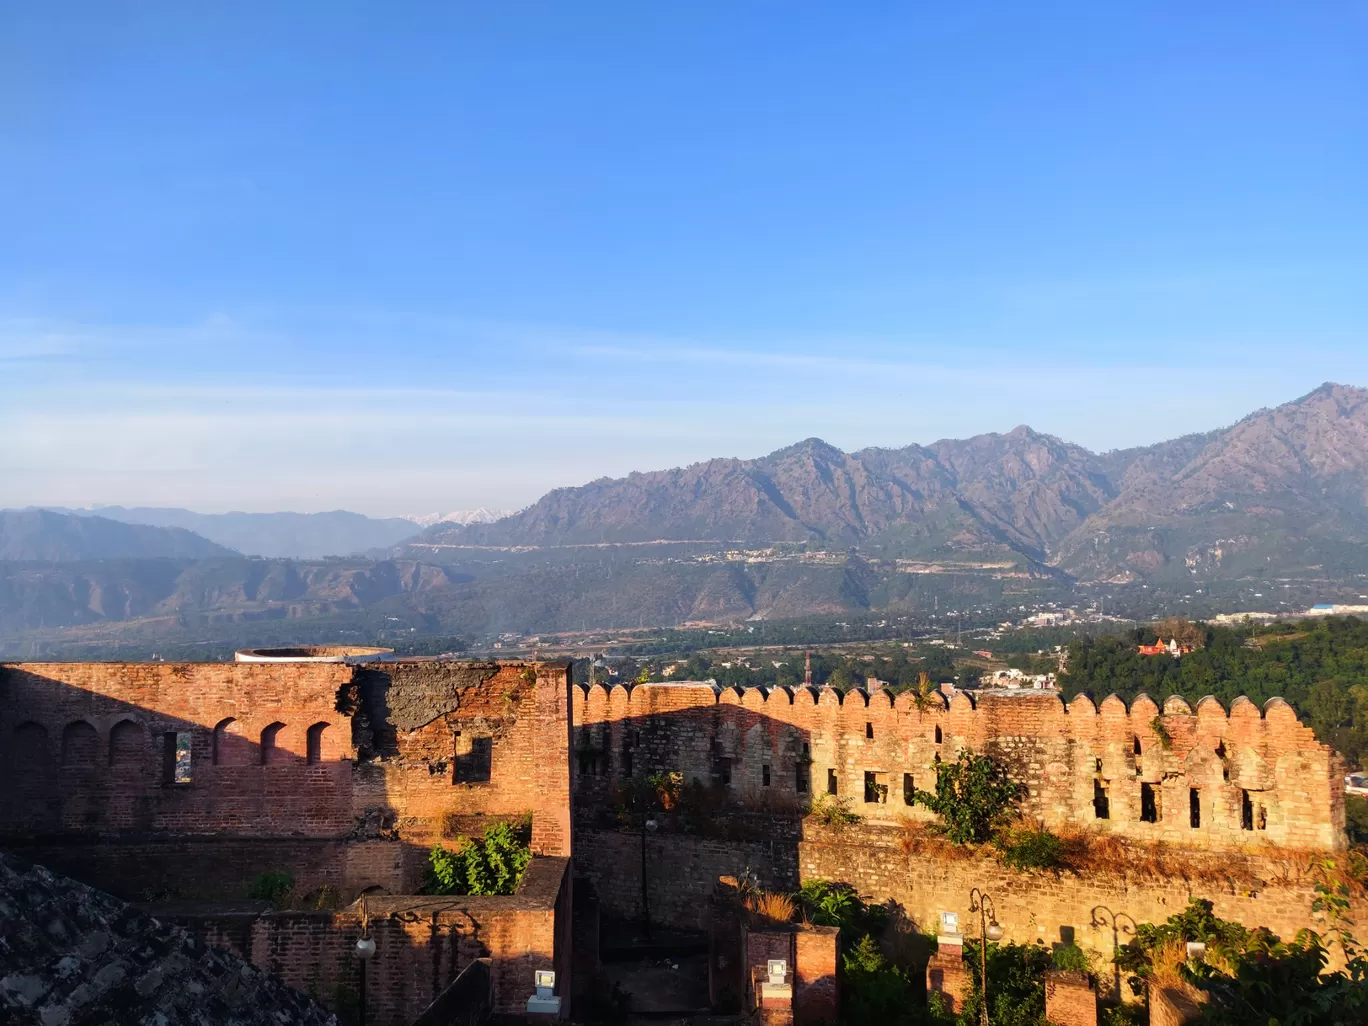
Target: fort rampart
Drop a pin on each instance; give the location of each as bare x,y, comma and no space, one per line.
1202,778
1242,802
166,781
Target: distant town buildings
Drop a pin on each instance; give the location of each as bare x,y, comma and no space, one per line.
1319,609
1015,678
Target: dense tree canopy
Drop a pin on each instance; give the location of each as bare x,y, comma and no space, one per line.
1319,666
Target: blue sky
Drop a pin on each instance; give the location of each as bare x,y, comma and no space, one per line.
409,257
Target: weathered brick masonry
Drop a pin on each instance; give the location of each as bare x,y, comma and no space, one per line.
1251,791
183,780
421,943
1201,778
344,775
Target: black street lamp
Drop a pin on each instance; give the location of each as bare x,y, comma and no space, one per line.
1113,919
648,825
988,930
365,951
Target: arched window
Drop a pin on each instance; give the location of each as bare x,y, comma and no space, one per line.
269,739
315,748
31,745
80,744
127,744
938,734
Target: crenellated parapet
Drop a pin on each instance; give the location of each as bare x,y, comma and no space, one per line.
1203,776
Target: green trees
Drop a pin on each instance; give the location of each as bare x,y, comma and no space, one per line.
875,990
973,798
1253,977
492,864
1016,984
1321,668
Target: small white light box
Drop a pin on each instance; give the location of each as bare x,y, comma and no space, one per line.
543,1001
778,970
949,923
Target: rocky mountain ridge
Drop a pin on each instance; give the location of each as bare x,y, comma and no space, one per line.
1297,473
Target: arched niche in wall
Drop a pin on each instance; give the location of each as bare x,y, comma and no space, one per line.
270,744
127,744
31,749
80,745
228,747
315,743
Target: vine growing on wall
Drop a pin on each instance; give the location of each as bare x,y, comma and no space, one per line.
1162,733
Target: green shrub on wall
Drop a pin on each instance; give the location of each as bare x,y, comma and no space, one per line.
1252,976
973,798
274,885
492,864
1031,849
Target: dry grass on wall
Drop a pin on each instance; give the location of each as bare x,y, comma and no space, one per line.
770,908
1092,852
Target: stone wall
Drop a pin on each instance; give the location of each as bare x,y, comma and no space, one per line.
315,768
1273,889
1050,906
421,944
1202,777
681,871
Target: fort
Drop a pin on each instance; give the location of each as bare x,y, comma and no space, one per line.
177,784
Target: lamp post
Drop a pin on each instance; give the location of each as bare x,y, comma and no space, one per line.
648,825
988,930
1113,919
365,951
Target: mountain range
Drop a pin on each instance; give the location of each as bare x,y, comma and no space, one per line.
993,521
273,535
1286,485
44,536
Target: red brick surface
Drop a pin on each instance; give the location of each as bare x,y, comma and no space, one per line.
84,761
344,777
1070,999
947,974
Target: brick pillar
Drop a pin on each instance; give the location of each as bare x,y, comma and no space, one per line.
551,811
816,995
1070,998
1175,1006
946,974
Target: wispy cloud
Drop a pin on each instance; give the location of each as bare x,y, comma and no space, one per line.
257,411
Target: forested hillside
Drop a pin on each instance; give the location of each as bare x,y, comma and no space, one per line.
1320,667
